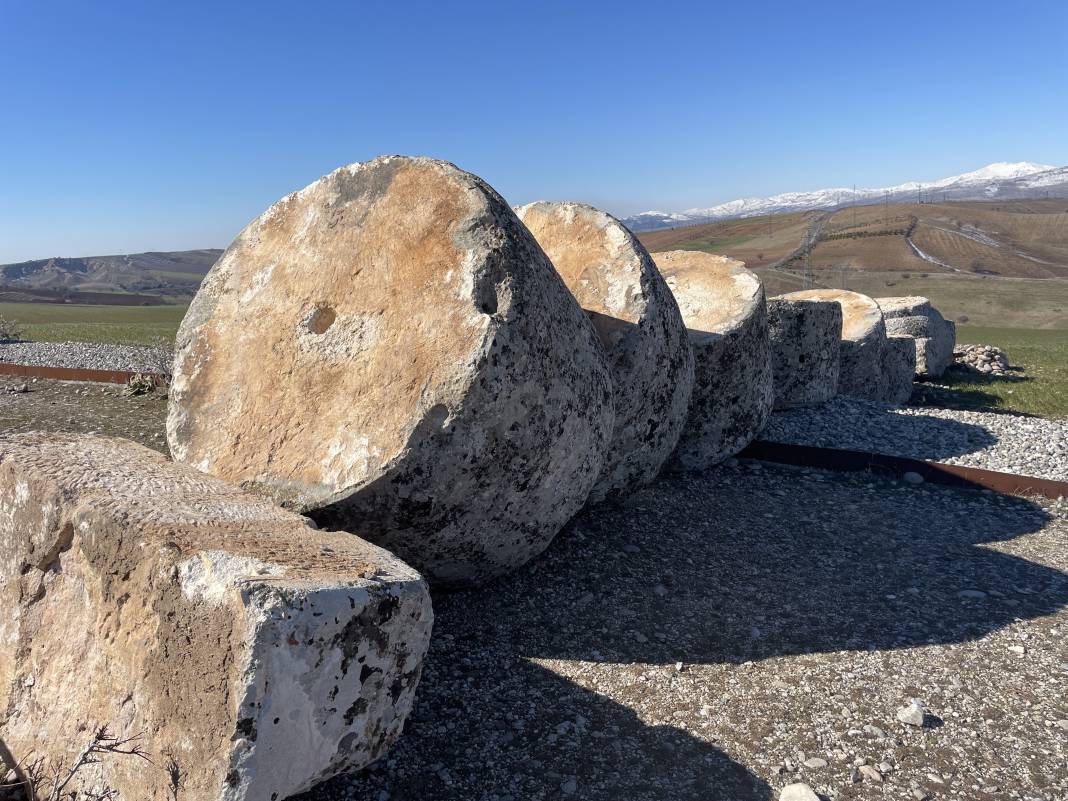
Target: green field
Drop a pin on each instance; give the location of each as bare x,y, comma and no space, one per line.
714,244
55,322
1041,390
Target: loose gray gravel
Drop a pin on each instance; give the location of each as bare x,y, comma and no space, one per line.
722,636
80,355
1009,443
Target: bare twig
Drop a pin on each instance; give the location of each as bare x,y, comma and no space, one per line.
48,781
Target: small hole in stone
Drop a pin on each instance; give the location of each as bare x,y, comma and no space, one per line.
321,319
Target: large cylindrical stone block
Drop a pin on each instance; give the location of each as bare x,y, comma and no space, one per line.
389,350
899,368
860,373
804,350
637,319
725,312
916,317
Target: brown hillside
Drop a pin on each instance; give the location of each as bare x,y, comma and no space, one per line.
1006,262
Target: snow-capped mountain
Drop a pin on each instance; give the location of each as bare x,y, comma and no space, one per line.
1003,180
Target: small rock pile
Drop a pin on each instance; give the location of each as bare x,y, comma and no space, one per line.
984,358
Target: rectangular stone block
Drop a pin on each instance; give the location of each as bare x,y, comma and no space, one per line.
251,654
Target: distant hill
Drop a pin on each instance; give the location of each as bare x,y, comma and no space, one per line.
147,277
1005,181
990,263
1013,239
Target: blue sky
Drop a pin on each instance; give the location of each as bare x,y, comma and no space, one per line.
136,126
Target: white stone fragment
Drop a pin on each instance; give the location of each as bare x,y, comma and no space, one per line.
912,713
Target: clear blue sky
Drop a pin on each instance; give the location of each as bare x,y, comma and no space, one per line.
129,126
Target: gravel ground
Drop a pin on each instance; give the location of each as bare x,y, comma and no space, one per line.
79,355
722,635
48,405
1010,443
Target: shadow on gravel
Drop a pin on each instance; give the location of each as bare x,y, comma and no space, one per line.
733,565
871,427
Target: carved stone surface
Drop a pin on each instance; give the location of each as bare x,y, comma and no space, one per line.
905,306
390,349
804,350
935,336
725,311
637,319
260,655
860,372
899,368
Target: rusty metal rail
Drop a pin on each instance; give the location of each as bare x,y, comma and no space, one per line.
72,374
880,464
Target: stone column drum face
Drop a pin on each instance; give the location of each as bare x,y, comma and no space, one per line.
804,350
725,312
637,319
899,368
860,373
259,655
935,336
905,306
390,349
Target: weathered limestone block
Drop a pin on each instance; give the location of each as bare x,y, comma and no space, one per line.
637,319
917,326
390,349
899,368
910,306
259,654
724,309
860,373
804,350
916,317
951,334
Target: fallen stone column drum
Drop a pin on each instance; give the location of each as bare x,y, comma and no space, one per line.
934,342
259,655
804,350
637,319
389,349
899,368
725,311
935,336
860,373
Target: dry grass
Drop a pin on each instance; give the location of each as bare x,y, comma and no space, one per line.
1016,239
758,241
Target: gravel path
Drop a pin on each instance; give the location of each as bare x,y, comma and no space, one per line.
720,636
1010,443
79,355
